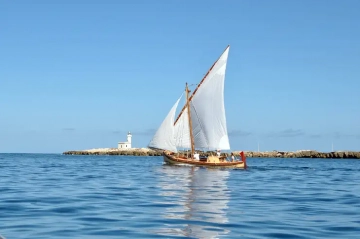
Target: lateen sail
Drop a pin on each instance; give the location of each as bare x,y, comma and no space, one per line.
164,137
207,115
182,131
207,111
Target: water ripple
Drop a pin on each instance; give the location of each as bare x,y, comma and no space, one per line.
57,196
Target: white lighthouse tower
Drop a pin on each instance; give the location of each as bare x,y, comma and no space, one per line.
127,144
129,138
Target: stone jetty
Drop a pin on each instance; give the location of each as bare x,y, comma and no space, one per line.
248,154
303,154
116,151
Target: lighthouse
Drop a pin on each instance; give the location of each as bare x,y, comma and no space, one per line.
129,138
127,144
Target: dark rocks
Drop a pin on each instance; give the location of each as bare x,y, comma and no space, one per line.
129,152
249,154
302,154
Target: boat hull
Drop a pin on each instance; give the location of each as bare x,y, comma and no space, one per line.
174,160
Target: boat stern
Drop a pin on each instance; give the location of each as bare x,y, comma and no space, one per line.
243,158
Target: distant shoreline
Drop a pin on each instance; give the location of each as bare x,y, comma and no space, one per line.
248,154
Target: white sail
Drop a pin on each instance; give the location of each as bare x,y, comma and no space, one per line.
207,115
208,110
164,137
182,131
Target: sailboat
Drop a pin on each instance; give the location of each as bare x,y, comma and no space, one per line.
201,124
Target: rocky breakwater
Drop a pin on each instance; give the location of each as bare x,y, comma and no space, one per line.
115,151
249,154
302,154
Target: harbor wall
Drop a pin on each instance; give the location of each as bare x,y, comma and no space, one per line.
248,154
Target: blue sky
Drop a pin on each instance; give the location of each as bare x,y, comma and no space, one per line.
80,74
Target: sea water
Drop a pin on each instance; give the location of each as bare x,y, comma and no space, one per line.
58,196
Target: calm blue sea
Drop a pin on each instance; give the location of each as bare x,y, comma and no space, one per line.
57,196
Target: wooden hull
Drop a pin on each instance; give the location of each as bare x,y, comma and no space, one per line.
174,160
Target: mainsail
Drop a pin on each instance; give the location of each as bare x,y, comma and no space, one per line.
208,110
207,116
164,137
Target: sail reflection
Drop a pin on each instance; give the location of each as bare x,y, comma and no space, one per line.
200,196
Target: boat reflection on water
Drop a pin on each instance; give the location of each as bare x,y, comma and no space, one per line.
199,198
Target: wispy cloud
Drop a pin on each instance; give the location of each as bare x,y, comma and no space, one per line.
315,136
239,133
338,135
287,133
145,132
68,129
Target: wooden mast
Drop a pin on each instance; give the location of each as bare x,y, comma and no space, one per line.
192,95
189,121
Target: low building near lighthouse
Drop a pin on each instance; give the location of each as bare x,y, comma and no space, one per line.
127,144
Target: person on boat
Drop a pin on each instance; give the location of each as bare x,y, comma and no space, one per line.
232,157
218,153
196,156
